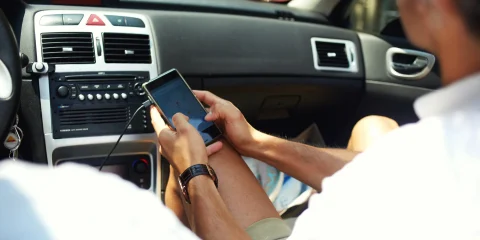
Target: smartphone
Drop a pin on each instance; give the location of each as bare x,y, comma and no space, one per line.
171,94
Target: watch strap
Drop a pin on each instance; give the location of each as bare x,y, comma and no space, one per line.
194,171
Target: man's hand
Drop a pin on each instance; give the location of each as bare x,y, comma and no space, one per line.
182,148
234,125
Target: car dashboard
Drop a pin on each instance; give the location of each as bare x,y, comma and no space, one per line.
282,74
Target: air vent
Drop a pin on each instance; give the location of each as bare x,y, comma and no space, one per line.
126,48
334,55
74,117
68,48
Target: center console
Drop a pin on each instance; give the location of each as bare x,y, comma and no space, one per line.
101,59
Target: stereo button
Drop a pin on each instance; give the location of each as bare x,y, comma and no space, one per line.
97,87
124,96
107,96
90,97
84,86
115,96
99,96
81,97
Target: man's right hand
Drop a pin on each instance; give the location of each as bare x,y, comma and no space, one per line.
232,122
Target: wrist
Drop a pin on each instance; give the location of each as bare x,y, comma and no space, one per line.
200,185
258,144
180,168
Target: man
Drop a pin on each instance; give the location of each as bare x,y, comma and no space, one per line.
419,182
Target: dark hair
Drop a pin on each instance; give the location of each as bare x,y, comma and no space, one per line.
470,10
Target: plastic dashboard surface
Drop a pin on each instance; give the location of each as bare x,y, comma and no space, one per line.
210,44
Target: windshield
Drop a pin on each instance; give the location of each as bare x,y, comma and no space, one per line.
321,6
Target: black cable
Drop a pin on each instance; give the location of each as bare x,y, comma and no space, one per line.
145,104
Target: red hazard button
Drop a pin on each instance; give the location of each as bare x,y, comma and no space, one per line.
95,20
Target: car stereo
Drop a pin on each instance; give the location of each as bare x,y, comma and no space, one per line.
97,103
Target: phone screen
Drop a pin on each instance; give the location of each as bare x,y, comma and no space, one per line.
172,95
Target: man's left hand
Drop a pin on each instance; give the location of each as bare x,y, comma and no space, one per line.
184,147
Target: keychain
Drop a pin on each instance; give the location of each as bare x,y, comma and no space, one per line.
13,140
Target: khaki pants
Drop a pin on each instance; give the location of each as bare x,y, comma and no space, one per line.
269,229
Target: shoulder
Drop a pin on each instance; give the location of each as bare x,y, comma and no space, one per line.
406,179
58,202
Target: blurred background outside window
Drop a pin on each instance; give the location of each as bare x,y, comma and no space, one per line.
373,15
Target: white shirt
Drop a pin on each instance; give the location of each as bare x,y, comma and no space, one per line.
77,202
422,181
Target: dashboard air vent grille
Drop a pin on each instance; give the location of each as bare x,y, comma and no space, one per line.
93,116
126,48
68,48
334,55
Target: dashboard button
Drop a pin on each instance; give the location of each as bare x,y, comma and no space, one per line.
116,20
81,97
107,96
124,96
134,22
120,86
108,87
99,96
84,87
72,19
94,20
96,87
51,20
115,96
90,97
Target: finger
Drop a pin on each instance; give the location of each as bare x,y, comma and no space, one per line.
181,122
166,137
214,148
157,121
211,116
221,111
207,97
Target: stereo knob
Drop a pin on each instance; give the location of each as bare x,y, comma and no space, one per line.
81,97
115,96
124,96
139,89
141,166
90,97
99,96
62,91
107,96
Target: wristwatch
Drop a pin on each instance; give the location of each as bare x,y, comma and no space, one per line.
193,171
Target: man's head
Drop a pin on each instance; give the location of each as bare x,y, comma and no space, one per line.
450,29
429,22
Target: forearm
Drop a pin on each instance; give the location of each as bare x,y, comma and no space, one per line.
212,218
305,163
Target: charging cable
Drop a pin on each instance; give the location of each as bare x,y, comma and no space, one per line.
144,105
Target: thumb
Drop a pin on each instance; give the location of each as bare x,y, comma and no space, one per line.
181,122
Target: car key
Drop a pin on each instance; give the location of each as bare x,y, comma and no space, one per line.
13,140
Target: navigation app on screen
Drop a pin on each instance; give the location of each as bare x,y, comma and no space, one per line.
175,97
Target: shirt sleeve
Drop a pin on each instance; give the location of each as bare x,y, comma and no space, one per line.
78,202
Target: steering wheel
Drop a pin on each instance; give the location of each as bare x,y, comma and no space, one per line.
10,77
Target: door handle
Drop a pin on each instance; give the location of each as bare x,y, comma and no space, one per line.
418,64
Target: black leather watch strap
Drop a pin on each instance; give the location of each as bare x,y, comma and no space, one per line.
193,171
